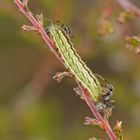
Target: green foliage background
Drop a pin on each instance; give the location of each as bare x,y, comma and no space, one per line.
32,105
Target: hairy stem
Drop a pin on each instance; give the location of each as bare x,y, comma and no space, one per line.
51,45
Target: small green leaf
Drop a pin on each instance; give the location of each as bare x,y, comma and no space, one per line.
133,43
125,15
106,27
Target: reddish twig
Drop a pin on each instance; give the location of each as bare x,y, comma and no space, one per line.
129,6
38,27
104,123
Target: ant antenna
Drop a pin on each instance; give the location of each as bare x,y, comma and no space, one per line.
101,78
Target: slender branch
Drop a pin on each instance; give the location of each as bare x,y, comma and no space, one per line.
37,26
97,115
51,45
129,6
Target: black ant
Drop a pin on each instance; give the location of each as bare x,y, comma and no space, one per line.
104,100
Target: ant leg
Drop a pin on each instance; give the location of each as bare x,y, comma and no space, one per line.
100,106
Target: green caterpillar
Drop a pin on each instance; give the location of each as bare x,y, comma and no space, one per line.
61,37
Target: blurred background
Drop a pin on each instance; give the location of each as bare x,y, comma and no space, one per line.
35,107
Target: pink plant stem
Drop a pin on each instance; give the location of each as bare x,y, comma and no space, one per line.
51,45
129,6
37,26
97,115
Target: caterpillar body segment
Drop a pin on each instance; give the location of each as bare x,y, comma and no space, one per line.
73,61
